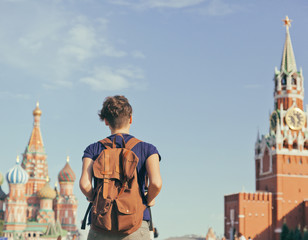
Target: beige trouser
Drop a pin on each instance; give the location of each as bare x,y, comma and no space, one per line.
142,233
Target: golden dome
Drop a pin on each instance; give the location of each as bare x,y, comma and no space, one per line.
1,178
37,111
47,192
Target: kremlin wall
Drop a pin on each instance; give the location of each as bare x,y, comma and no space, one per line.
32,209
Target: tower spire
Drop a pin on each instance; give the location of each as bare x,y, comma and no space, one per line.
288,63
36,142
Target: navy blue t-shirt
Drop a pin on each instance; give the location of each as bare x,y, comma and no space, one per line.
143,150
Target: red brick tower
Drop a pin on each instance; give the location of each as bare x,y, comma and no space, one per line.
281,162
281,157
35,163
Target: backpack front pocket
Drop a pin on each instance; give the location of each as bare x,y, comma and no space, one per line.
126,215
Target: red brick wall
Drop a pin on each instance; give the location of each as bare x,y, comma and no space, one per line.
252,214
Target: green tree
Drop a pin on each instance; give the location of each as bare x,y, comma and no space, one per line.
305,234
297,234
284,233
1,227
290,235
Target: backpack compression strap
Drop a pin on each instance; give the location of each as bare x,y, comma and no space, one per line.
129,145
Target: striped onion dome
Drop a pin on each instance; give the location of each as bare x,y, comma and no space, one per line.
47,191
67,174
17,175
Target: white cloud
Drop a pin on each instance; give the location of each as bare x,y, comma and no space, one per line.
172,3
55,46
7,94
109,50
205,7
138,54
80,43
218,8
107,79
144,4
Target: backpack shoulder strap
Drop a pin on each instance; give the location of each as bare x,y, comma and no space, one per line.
106,142
132,143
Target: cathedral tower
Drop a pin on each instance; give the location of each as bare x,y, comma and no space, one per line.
16,202
66,202
35,163
46,194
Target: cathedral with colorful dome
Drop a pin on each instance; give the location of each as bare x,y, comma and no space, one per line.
32,209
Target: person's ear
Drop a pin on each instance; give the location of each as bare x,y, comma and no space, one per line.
106,122
130,119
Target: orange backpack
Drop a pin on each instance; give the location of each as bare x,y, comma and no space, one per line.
117,206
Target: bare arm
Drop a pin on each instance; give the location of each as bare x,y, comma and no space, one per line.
155,181
85,182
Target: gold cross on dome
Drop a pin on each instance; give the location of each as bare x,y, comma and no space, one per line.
287,22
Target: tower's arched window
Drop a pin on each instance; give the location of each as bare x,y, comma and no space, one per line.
295,145
284,80
294,77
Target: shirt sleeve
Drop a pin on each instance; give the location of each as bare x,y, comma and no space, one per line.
93,151
88,152
152,150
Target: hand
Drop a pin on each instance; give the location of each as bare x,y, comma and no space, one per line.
150,204
90,199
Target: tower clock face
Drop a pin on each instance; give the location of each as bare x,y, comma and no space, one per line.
295,118
274,120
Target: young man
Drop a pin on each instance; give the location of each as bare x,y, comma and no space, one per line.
117,115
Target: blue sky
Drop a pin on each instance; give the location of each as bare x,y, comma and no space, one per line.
198,74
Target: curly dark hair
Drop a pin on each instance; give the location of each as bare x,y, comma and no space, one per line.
116,110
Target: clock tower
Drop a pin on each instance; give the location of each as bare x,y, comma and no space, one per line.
281,162
281,157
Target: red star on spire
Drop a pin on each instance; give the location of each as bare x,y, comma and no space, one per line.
287,22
